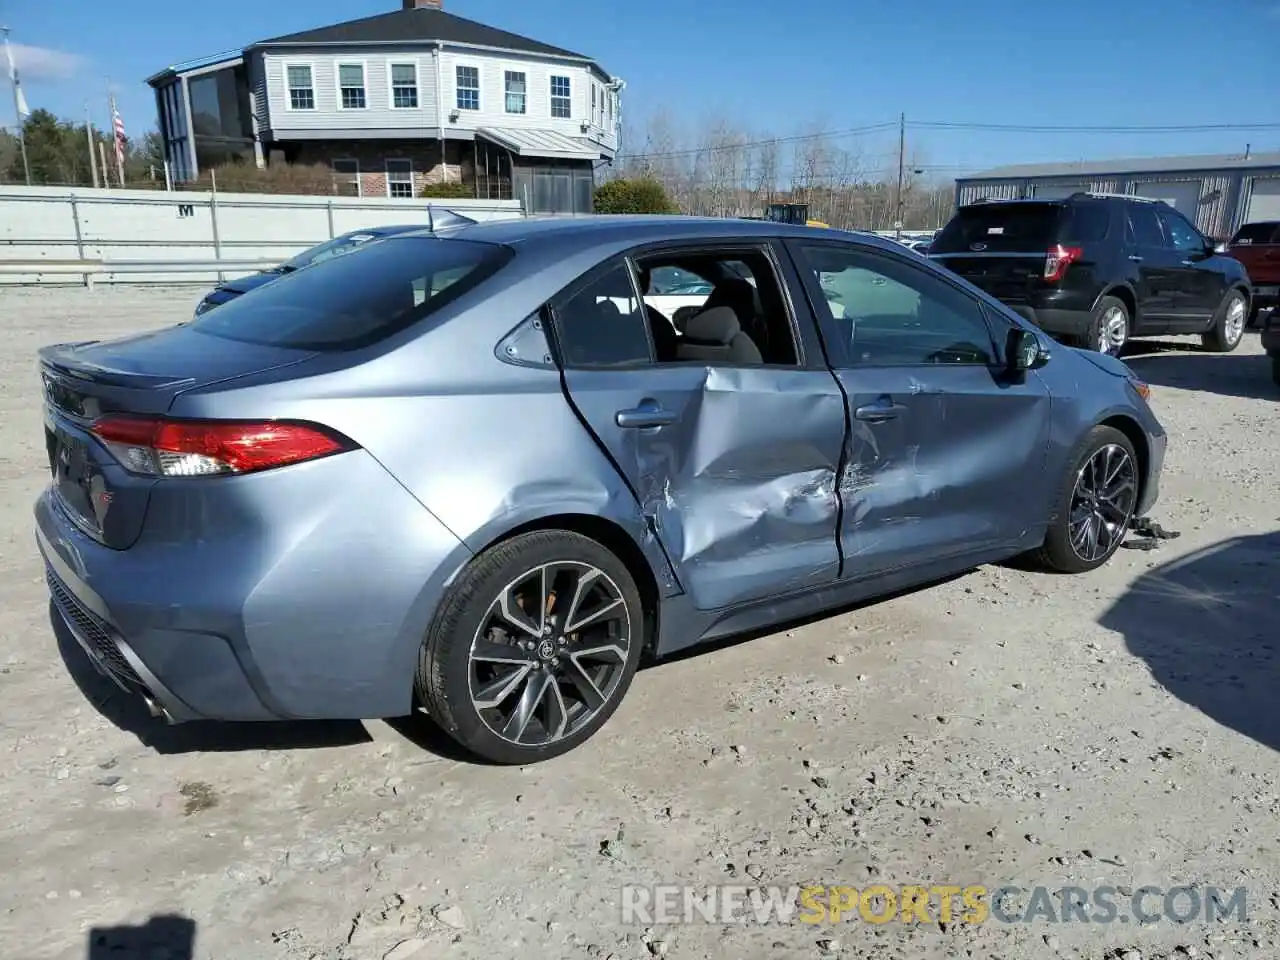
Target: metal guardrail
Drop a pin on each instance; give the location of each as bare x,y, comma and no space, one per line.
133,266
88,269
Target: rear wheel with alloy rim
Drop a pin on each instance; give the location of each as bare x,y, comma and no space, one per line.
1228,324
1110,329
1095,504
534,647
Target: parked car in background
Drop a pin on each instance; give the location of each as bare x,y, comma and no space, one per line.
336,247
1271,342
1257,246
469,470
1099,269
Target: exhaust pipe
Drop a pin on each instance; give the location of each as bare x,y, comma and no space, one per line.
156,709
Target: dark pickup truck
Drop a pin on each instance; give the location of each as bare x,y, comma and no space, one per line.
1257,246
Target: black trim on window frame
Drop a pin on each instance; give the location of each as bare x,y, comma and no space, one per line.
837,349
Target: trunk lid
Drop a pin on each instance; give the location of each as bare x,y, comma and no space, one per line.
142,375
1011,278
1001,246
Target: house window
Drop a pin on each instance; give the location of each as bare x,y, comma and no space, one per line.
400,179
404,86
561,98
302,94
346,177
517,89
593,103
351,86
468,88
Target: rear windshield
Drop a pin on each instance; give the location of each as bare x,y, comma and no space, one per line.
1021,227
354,300
1258,233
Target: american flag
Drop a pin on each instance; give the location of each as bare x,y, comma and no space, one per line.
117,128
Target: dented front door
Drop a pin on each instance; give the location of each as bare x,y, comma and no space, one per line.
735,467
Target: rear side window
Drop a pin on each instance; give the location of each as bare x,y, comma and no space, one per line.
1143,226
603,324
354,300
1268,232
1001,227
1085,223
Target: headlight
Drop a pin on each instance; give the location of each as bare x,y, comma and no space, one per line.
204,306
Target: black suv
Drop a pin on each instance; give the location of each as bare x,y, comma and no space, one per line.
1099,268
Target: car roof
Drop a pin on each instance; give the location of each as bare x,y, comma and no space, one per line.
582,232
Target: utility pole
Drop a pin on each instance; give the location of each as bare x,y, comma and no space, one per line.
902,152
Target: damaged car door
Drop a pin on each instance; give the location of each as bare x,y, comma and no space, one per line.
733,461
946,455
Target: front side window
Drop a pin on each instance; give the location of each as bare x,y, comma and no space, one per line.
404,86
346,177
302,93
517,91
468,88
1184,237
400,179
891,313
561,98
348,302
603,324
351,86
1264,232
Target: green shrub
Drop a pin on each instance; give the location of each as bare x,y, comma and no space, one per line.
634,195
449,191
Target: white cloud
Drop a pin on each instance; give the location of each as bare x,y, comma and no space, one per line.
41,63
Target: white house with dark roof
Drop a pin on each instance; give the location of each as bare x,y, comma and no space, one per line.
400,100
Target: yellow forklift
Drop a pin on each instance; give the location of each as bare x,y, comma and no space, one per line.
797,213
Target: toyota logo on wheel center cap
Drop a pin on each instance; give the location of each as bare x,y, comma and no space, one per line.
546,649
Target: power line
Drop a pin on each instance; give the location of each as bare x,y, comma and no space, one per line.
1049,128
747,144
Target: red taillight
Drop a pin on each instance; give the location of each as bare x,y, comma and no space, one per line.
201,448
1057,260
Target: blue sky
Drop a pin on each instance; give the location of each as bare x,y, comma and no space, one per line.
778,68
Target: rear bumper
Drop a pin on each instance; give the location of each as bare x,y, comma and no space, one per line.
300,593
1073,323
1266,295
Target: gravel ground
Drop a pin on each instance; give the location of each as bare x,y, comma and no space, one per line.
1006,727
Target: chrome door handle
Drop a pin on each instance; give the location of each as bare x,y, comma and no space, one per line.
1135,258
879,412
648,414
1188,263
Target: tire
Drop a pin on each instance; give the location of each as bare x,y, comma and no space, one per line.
1228,324
477,699
1059,553
1110,326
1255,314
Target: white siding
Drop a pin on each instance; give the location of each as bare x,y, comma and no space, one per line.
328,114
379,115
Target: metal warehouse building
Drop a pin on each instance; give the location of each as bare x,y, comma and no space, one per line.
1217,192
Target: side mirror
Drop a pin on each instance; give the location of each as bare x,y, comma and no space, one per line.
1022,351
1219,247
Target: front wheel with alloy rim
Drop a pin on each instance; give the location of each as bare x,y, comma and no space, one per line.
1109,331
1228,324
1095,504
534,647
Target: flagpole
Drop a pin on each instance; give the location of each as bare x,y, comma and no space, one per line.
17,106
88,130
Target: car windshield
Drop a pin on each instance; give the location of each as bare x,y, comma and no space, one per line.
348,302
326,251
999,227
1258,233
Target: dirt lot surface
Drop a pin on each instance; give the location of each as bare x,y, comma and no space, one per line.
1007,727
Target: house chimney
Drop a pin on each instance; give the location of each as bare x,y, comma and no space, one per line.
423,4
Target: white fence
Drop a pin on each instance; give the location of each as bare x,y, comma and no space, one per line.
51,224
